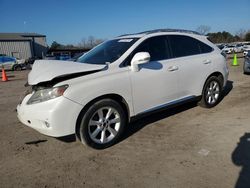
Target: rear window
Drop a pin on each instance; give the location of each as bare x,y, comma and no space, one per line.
185,46
204,48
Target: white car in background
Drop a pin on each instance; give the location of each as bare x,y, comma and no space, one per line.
119,79
246,51
11,63
246,45
238,48
228,49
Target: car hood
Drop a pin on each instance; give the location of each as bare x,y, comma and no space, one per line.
47,70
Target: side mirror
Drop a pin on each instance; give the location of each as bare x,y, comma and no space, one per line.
139,58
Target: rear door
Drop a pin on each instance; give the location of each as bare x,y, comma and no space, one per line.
194,62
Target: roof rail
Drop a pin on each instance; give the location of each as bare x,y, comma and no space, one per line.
164,30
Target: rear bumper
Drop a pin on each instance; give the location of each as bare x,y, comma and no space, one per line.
56,117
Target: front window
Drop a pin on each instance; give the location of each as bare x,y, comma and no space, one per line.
108,51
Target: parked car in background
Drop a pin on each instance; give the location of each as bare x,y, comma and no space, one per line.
50,57
7,62
75,58
220,46
21,64
11,63
228,49
30,62
246,66
246,48
246,51
127,76
246,45
238,48
63,57
20,61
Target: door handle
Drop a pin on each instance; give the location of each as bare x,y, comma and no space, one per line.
207,61
172,68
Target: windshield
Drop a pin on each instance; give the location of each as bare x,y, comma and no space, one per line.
108,51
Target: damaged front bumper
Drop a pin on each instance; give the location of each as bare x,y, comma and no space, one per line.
56,117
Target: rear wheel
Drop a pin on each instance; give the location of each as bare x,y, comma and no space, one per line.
212,92
102,124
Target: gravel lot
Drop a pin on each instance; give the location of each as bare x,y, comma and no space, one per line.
186,146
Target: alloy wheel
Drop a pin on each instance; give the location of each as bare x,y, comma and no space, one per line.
212,92
104,125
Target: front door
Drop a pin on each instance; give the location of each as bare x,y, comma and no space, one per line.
156,82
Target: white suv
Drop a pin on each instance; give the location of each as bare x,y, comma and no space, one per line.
130,75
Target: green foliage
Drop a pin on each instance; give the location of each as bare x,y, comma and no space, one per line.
223,37
88,43
56,45
247,37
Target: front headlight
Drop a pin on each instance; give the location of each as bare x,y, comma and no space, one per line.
47,94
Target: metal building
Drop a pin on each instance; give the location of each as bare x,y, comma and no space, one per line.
23,45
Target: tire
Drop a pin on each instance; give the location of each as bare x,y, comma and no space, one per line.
102,125
212,92
17,68
244,69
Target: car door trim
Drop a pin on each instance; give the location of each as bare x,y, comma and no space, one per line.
172,103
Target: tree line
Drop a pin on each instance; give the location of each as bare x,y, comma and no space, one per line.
85,43
224,36
216,37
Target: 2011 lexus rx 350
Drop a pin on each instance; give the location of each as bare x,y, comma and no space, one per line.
130,75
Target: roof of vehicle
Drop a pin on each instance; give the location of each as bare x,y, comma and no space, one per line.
144,33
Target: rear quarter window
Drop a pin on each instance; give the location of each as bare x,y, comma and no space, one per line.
204,48
185,46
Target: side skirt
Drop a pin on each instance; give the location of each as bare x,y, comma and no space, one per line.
165,107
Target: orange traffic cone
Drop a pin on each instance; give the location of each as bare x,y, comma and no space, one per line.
4,76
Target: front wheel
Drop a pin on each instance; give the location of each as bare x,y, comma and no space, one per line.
102,124
212,92
17,68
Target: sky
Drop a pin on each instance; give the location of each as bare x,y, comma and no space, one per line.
69,21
